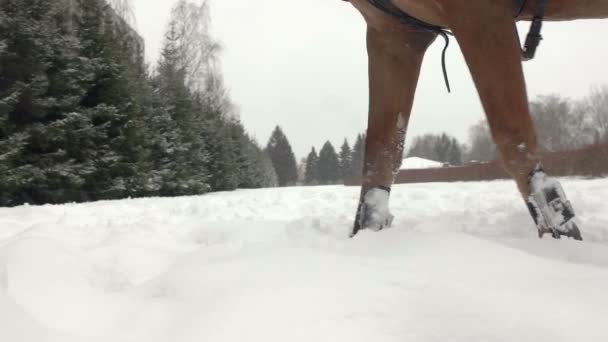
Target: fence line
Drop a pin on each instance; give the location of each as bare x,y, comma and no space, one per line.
591,161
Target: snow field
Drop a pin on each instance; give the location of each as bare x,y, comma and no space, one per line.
461,263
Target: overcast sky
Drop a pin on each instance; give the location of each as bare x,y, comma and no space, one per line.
303,65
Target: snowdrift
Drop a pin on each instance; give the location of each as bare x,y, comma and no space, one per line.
462,263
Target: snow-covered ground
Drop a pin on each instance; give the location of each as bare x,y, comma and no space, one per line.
419,163
462,263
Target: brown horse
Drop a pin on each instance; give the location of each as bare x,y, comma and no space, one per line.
487,35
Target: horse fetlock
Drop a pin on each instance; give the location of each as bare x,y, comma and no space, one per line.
551,210
374,213
518,158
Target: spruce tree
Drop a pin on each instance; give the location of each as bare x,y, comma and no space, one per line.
442,148
187,153
329,165
257,171
42,79
269,175
346,160
283,159
455,155
311,176
114,98
358,156
81,119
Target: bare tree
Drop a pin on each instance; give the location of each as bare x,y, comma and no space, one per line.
124,8
482,144
595,107
198,50
561,124
199,55
557,126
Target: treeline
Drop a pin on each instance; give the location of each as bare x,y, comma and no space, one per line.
332,167
328,166
438,147
82,118
561,124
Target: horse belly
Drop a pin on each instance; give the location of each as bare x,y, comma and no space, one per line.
429,11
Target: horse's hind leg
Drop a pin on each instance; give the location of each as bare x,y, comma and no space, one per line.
395,56
490,47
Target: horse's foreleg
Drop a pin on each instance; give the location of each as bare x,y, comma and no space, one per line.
490,47
394,66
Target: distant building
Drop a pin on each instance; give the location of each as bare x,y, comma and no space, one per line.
420,163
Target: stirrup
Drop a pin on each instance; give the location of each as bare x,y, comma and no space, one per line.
550,208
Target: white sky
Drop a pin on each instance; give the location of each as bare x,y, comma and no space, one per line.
303,65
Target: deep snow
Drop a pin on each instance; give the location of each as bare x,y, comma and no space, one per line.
461,263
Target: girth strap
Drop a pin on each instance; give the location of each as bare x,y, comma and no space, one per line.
387,7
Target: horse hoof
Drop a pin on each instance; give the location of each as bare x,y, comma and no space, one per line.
550,208
373,211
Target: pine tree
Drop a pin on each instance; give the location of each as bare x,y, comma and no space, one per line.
81,119
269,175
329,165
455,155
114,98
312,168
191,65
42,78
283,159
187,152
346,160
257,172
358,156
442,148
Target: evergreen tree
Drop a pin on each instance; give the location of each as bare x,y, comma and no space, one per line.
270,178
455,155
42,78
258,171
346,160
114,98
187,154
210,122
358,156
312,168
442,148
81,119
282,157
329,165
425,146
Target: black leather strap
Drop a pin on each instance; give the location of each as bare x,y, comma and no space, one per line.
387,7
528,51
534,36
519,7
